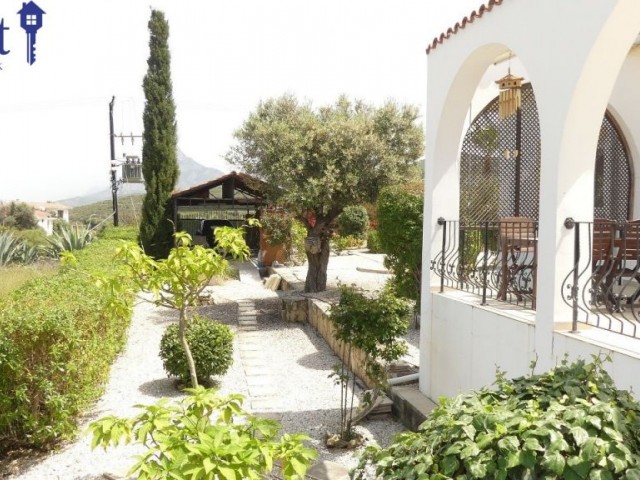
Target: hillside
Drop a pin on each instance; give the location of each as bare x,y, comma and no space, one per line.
191,173
129,211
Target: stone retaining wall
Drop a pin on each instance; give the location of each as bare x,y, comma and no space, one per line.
298,308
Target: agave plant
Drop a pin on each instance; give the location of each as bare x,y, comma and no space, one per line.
28,254
68,238
9,248
16,250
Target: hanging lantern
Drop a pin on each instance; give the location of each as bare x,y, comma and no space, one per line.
510,98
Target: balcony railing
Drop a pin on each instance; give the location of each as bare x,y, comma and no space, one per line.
603,287
494,260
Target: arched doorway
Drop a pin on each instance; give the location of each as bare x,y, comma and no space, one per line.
500,166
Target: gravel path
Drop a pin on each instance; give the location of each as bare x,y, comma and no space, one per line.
295,358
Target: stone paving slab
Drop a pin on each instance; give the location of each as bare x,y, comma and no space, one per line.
328,471
262,391
259,381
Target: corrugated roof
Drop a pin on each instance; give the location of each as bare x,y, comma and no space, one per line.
484,8
245,182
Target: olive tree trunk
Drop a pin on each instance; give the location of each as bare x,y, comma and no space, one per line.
317,249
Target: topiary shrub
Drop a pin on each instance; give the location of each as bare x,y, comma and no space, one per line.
353,221
211,346
570,423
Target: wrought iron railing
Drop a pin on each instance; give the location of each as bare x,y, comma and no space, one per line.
494,260
603,287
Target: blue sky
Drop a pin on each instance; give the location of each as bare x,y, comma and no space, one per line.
226,57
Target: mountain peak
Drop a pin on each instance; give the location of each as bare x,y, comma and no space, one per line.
191,173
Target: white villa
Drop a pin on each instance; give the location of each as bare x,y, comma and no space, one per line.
530,250
47,213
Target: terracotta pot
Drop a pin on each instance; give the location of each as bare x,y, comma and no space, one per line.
270,253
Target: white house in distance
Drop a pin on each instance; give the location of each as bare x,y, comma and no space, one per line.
530,250
47,213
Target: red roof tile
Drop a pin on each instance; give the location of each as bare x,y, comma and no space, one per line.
463,23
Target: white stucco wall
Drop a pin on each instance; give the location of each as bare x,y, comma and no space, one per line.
573,53
473,340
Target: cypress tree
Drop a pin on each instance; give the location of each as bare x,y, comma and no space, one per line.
159,156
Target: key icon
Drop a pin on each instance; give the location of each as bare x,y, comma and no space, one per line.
31,21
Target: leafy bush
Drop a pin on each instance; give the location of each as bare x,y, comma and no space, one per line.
18,215
375,326
570,423
277,225
353,221
400,231
34,236
57,341
205,437
297,253
211,346
339,243
373,241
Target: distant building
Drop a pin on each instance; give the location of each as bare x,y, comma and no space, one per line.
47,213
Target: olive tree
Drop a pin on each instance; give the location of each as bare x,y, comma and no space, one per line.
317,161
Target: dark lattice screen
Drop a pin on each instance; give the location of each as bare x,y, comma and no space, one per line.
612,189
488,186
489,183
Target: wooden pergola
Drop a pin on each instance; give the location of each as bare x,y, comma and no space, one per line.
231,198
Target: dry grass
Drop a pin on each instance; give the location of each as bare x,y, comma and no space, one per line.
15,276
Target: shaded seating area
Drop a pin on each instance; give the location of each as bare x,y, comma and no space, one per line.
228,200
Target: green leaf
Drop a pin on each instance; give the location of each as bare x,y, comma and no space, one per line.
532,443
470,450
510,443
632,474
599,474
619,464
449,465
554,462
527,458
228,473
577,467
298,467
580,435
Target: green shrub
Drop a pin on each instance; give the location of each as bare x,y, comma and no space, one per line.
211,346
400,231
58,338
374,326
340,243
373,241
297,253
34,236
277,225
353,221
570,423
207,437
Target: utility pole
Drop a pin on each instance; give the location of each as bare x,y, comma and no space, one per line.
114,181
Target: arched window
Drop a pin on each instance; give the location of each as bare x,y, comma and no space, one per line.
500,166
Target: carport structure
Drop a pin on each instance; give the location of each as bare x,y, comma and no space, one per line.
229,199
